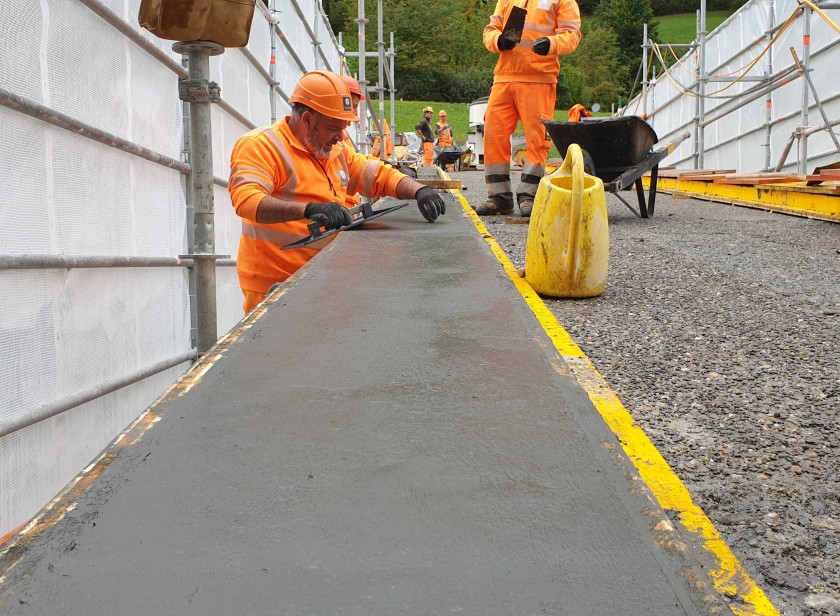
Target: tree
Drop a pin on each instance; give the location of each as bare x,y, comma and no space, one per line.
595,72
627,18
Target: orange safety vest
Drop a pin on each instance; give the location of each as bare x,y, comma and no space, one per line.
444,134
559,20
271,161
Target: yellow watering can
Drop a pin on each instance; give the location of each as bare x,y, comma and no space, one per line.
568,246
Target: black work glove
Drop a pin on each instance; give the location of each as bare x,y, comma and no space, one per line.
541,46
332,215
430,203
505,44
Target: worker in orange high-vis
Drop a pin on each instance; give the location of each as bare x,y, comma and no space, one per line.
578,111
356,97
377,140
427,139
298,169
524,89
444,134
443,131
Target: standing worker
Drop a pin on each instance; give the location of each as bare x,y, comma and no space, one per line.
298,169
377,141
443,131
424,131
444,134
524,88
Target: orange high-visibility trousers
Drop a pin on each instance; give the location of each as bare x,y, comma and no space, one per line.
509,104
428,152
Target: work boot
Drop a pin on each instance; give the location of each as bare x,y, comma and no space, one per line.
525,208
491,208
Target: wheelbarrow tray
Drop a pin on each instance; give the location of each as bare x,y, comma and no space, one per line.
450,155
621,152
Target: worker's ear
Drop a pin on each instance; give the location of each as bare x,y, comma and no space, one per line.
308,118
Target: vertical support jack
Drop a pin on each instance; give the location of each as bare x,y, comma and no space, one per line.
200,92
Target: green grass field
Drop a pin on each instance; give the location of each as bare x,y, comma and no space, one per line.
682,28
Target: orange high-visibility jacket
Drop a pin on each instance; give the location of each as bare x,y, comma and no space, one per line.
578,111
444,133
271,161
559,20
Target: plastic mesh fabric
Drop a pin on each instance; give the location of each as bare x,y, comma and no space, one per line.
20,67
729,49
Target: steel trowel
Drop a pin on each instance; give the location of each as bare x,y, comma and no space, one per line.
360,214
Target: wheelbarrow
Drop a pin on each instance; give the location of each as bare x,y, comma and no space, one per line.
619,151
450,155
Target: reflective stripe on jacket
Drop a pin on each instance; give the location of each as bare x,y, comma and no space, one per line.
558,20
271,161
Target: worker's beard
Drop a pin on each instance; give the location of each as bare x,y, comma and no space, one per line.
322,152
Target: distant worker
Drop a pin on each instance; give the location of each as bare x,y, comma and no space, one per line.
377,141
427,139
444,134
443,131
524,89
298,169
578,111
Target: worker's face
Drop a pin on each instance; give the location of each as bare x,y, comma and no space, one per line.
356,99
321,133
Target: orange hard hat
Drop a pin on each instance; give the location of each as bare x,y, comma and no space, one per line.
441,113
354,86
326,93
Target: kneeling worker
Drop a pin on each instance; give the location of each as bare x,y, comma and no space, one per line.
298,169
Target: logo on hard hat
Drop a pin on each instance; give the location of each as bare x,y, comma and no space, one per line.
347,105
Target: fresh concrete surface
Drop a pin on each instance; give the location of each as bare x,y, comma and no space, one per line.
394,435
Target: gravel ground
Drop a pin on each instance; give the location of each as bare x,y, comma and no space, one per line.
719,330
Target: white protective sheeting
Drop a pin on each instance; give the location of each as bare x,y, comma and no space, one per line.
65,331
743,134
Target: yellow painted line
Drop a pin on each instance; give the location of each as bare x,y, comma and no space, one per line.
796,199
743,595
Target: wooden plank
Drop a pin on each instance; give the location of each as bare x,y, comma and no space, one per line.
706,177
757,180
760,175
446,184
681,174
830,173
